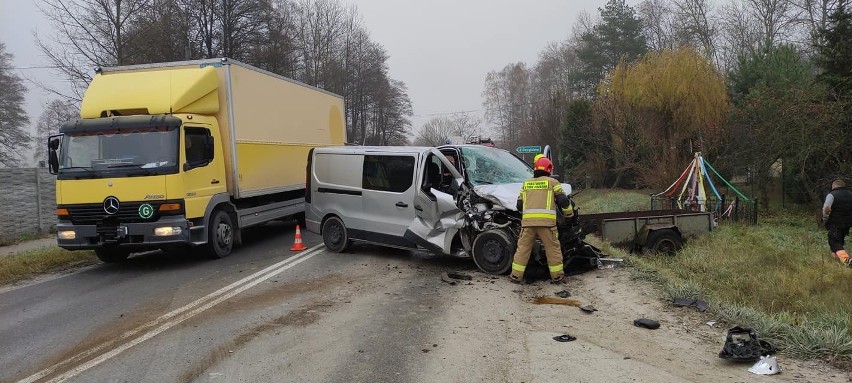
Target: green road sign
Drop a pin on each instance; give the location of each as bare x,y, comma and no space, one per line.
528,149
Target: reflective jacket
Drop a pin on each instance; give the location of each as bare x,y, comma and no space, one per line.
538,201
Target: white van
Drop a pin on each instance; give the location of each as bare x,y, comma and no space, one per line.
410,197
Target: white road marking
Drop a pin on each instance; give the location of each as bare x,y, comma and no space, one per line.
169,320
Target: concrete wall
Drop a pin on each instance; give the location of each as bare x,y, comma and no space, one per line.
27,202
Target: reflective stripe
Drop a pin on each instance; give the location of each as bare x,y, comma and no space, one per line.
536,185
543,211
555,268
539,215
549,199
558,189
518,267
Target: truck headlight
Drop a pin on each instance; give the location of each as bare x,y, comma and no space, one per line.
167,231
67,234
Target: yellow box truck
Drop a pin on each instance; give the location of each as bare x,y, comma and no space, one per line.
186,154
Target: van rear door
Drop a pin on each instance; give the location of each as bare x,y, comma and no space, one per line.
437,218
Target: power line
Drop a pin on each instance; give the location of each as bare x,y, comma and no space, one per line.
34,67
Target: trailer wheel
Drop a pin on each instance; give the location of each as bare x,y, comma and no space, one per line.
112,255
664,241
493,251
334,235
220,235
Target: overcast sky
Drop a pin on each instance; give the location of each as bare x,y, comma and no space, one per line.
441,49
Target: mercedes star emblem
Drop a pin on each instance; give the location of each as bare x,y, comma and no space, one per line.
111,205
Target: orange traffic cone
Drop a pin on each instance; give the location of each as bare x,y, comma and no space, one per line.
298,245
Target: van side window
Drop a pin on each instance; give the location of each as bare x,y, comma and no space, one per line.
388,173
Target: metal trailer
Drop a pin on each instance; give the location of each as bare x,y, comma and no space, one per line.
651,231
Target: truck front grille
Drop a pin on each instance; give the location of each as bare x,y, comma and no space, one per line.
94,214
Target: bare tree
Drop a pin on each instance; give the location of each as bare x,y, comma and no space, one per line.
55,113
507,102
774,18
740,34
658,24
90,33
13,120
696,25
437,130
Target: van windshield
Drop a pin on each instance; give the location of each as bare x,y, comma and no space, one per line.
491,166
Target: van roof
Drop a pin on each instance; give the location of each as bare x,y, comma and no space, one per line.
373,149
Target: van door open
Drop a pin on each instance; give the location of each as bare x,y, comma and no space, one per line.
437,218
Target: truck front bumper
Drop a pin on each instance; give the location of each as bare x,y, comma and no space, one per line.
172,231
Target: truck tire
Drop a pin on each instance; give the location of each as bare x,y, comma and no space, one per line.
664,241
334,235
112,255
493,251
220,235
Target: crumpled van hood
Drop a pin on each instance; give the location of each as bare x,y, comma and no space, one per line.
506,195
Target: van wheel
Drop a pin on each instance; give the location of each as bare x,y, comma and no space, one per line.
112,255
334,235
493,251
665,241
220,235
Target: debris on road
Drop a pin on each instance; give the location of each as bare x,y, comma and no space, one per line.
563,294
459,275
646,323
767,365
446,278
742,345
711,323
564,338
556,301
686,302
588,309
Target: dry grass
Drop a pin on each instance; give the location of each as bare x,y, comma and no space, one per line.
611,200
777,277
28,264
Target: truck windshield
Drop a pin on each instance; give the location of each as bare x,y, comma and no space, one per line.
146,151
490,166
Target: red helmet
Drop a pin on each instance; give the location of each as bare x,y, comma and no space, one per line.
543,163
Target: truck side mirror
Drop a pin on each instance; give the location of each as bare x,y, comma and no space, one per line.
53,157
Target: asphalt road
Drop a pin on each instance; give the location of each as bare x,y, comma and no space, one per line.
267,314
87,325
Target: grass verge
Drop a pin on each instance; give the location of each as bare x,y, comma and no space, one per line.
24,238
28,264
776,277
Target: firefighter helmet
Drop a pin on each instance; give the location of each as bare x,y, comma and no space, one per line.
544,163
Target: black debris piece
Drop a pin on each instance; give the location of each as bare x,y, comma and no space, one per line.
686,302
446,278
646,323
458,275
563,294
564,338
742,345
588,308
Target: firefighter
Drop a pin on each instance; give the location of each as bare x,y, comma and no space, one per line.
539,221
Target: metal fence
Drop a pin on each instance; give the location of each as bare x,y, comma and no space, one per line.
724,210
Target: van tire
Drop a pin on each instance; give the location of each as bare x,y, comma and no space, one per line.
334,235
112,255
665,241
493,251
220,235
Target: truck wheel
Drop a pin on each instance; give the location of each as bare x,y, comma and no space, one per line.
334,235
220,235
112,255
663,242
493,251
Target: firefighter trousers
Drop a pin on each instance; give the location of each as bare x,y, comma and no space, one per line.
549,237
